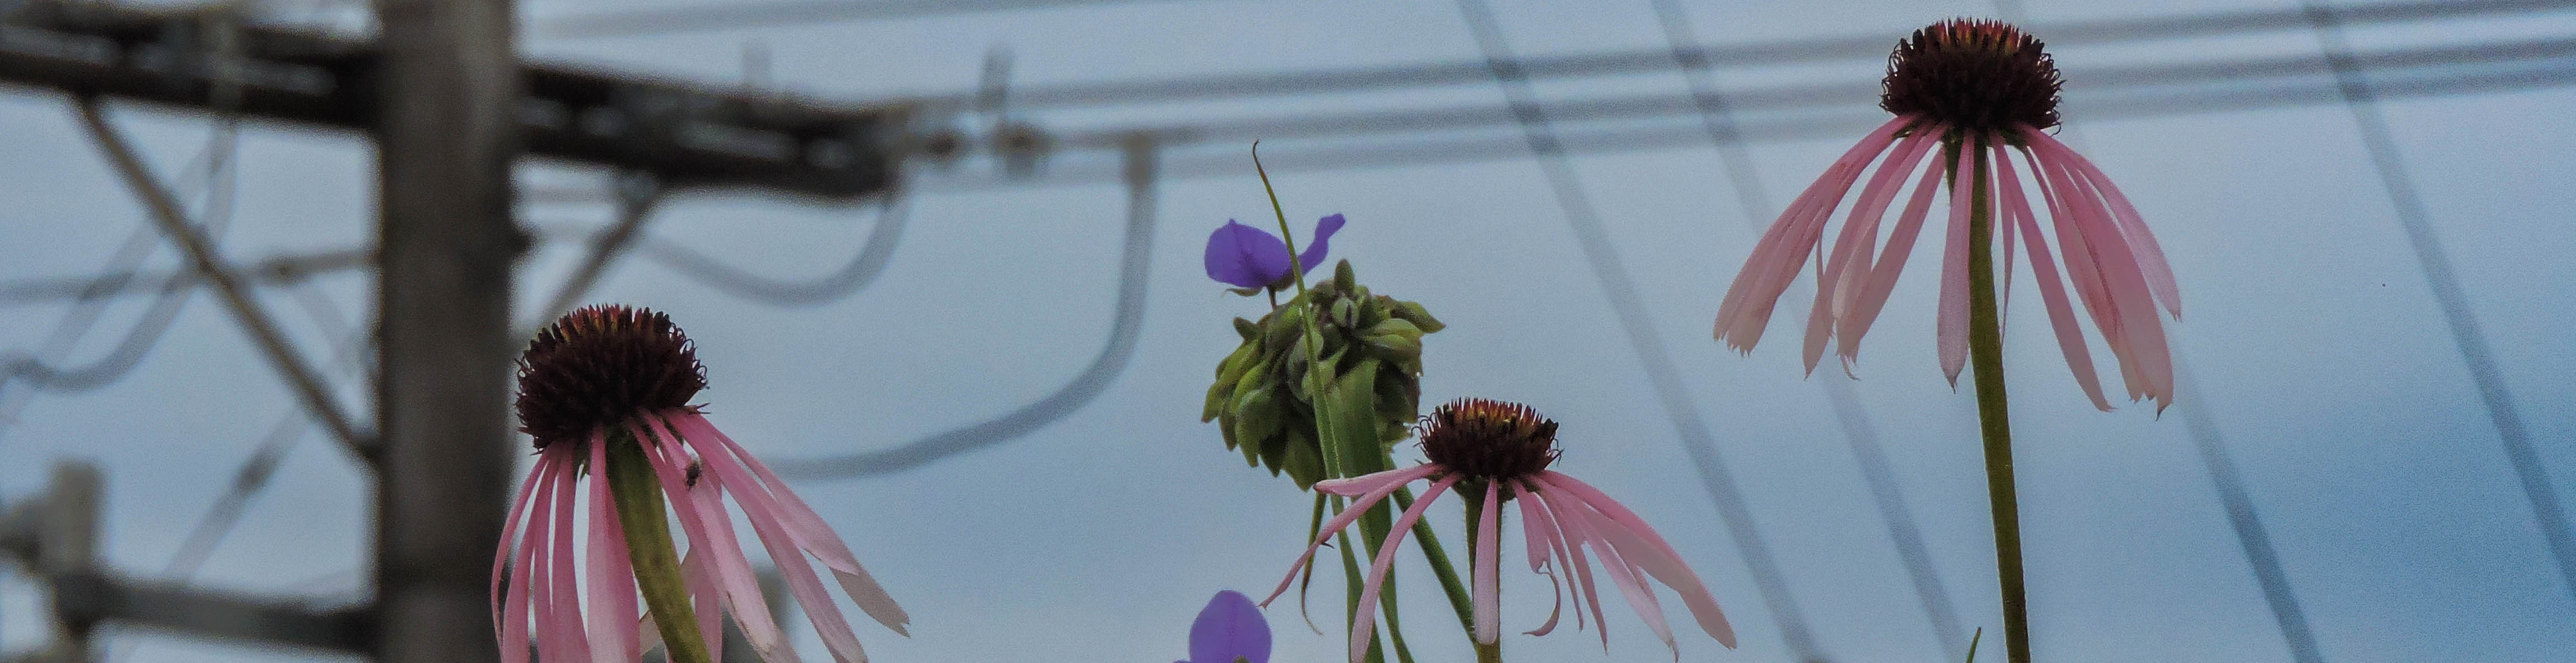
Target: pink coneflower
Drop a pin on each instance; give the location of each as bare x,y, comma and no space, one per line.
1502,450
605,393
1981,91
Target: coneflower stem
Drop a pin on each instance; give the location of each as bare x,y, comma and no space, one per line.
648,544
1986,357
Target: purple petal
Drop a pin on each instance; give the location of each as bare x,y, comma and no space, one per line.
1228,628
1322,241
1245,257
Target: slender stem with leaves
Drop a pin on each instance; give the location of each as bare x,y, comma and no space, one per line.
1356,457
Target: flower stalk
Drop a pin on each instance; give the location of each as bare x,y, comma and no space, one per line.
1353,453
1986,355
649,547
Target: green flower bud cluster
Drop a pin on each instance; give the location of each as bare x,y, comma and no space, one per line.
1263,396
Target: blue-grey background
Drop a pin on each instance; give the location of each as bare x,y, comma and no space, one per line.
2309,331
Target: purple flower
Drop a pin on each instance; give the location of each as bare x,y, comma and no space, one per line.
1247,257
1230,629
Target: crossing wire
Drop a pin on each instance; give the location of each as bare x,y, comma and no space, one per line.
1629,308
2362,98
1875,469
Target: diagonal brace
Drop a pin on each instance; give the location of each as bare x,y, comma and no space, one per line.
236,296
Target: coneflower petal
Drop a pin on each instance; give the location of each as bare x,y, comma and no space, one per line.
1577,520
1872,299
1574,586
1953,318
812,534
501,553
612,574
1488,563
1658,558
2151,255
705,596
1853,249
1364,620
522,588
2146,363
2052,291
1359,506
1371,482
1538,531
1567,533
571,641
710,529
1747,306
762,510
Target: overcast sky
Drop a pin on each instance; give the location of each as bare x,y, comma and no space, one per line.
2310,332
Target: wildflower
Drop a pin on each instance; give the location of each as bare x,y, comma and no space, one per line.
604,391
1502,450
1253,259
1981,90
1229,630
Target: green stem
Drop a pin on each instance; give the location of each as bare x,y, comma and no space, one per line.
1986,354
648,544
1375,525
1438,557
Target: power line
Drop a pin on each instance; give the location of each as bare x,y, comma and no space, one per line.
1394,153
853,276
2154,79
763,14
1128,318
1856,47
1718,118
2241,517
2361,96
1629,308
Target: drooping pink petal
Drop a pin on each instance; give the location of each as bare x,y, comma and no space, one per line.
2088,260
2146,363
1639,543
1850,266
1747,306
501,553
1954,264
2052,292
1576,520
1359,506
1371,482
524,582
1541,537
1872,297
1572,538
705,598
1364,620
2004,227
1488,563
570,642
762,510
2151,255
710,530
612,573
812,534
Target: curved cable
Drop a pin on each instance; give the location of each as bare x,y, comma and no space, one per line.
213,172
1630,309
1113,357
862,269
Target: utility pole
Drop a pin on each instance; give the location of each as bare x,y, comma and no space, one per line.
446,131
